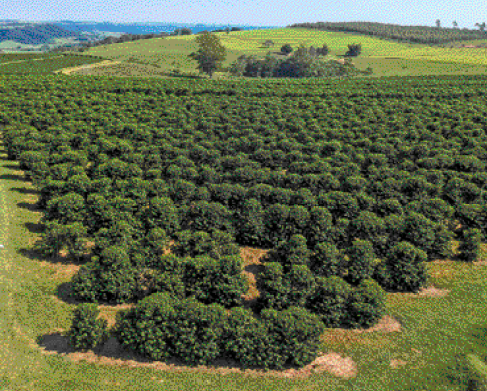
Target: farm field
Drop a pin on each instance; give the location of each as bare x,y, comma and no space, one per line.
40,63
385,57
393,143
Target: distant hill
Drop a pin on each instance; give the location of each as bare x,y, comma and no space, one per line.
34,33
144,28
413,34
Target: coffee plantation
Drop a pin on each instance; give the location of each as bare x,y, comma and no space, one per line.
351,184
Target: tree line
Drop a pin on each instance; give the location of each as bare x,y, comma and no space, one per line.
413,34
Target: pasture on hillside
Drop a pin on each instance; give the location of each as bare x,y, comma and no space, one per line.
385,57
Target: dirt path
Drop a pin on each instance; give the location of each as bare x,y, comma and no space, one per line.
67,71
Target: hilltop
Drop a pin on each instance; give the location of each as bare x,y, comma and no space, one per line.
34,34
157,57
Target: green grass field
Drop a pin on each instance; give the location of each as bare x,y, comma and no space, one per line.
385,57
437,331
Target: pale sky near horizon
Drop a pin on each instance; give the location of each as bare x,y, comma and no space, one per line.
250,12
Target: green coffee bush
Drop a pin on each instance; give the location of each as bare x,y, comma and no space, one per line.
326,260
294,336
215,244
113,283
274,291
470,246
215,281
198,331
361,261
403,269
246,339
87,331
329,300
148,328
366,305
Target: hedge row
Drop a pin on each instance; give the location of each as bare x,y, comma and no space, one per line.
160,327
112,278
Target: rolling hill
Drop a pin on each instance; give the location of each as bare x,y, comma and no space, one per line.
34,34
385,57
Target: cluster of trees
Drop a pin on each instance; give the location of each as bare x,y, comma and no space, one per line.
35,34
353,185
305,62
182,31
353,50
415,34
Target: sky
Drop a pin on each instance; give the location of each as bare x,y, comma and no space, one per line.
250,12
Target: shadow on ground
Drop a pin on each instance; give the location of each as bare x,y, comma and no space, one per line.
29,206
63,292
254,269
23,190
11,177
112,353
35,228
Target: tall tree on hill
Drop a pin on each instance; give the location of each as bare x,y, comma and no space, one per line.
211,53
481,26
438,23
455,24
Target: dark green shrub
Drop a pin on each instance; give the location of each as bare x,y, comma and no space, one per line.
250,226
198,331
66,209
216,244
280,288
470,246
292,252
361,261
109,278
298,220
162,213
276,219
87,331
150,281
208,216
246,339
340,235
155,245
274,291
420,231
294,336
326,260
367,226
340,204
366,305
84,284
170,263
320,226
301,284
286,49
57,237
148,328
329,300
117,285
215,281
404,269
